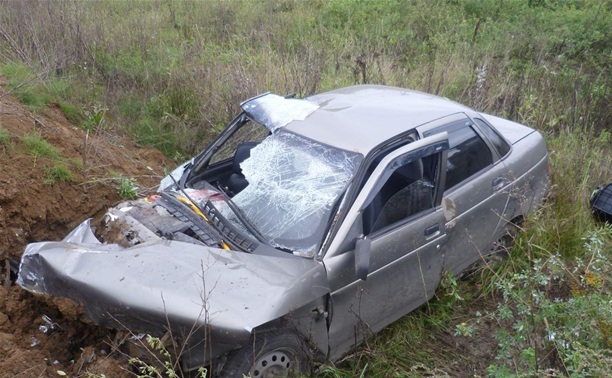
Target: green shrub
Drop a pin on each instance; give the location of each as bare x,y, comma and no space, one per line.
557,314
161,362
126,186
95,118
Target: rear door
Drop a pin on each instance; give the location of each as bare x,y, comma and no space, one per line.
398,212
476,193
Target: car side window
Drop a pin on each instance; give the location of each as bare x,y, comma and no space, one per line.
500,145
468,153
408,191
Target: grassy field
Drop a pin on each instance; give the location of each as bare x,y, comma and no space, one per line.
172,73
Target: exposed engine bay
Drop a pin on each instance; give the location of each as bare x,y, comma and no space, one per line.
185,216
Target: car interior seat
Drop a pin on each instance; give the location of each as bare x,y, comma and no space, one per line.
236,181
382,211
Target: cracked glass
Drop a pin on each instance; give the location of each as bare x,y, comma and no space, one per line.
294,183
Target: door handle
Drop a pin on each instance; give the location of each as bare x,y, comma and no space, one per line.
497,183
432,231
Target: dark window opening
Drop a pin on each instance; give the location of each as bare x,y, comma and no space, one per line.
408,191
468,153
249,132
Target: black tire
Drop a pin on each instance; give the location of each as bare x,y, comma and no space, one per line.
270,354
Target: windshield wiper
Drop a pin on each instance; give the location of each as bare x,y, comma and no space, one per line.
242,217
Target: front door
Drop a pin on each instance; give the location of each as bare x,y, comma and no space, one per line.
399,212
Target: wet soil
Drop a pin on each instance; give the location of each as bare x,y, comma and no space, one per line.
36,207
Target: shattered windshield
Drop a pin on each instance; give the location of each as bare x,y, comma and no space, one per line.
293,184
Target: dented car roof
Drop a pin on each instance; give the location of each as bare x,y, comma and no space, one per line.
371,113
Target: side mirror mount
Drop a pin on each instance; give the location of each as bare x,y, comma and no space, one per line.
362,257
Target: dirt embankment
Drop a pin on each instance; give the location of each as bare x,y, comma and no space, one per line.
34,206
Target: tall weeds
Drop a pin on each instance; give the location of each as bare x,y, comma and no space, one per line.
173,72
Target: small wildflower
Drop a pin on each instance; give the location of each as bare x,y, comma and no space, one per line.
592,279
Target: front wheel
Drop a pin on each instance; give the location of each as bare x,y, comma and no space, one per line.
270,354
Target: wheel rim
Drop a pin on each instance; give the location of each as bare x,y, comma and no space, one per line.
500,250
502,246
277,363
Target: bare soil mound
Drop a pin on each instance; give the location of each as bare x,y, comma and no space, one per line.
38,204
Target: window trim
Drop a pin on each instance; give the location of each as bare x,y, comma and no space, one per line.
342,237
407,158
487,140
439,182
401,223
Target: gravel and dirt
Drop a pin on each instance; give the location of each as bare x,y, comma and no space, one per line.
34,207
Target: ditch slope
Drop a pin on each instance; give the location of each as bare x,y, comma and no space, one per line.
37,205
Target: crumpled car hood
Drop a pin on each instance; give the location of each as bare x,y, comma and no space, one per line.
160,283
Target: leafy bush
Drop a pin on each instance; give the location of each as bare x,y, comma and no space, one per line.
557,315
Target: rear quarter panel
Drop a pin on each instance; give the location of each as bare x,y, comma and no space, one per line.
528,168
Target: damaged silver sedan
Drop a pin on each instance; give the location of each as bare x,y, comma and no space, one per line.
307,226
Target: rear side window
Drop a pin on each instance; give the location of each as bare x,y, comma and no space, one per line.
500,145
468,153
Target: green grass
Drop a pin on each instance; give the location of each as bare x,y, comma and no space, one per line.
58,173
57,87
38,147
39,92
5,138
26,86
70,111
181,69
126,186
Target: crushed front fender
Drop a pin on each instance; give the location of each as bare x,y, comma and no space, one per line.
212,295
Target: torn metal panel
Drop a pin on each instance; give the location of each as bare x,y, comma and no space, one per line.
293,183
274,111
147,286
